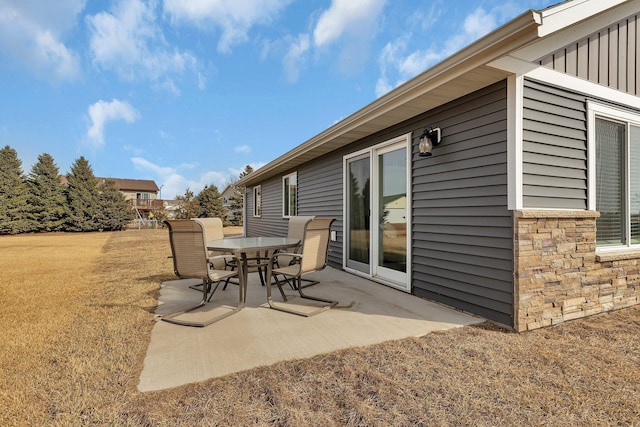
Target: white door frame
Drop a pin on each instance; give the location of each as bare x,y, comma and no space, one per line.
378,273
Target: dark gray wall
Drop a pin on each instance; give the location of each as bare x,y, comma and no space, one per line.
554,148
462,229
319,193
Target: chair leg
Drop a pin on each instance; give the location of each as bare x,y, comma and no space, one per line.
330,303
226,282
206,286
261,274
279,284
310,282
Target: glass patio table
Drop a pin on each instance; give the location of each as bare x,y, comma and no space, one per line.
240,246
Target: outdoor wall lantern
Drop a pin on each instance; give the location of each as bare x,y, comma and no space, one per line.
430,138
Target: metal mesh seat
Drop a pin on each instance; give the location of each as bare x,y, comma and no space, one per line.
191,261
311,257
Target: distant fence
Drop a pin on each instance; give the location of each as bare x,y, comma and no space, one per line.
145,224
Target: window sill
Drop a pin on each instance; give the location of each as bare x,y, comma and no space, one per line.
618,255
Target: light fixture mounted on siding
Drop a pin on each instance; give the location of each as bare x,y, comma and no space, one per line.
430,138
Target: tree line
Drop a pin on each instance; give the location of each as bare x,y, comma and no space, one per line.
39,201
209,204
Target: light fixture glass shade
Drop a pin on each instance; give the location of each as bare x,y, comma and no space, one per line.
425,146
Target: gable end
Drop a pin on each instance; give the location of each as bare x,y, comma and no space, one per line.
608,57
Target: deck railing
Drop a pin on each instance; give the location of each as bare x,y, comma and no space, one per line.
146,204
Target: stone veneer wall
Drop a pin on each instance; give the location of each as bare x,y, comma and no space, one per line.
559,277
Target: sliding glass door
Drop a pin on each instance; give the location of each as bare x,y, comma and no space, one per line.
359,213
377,207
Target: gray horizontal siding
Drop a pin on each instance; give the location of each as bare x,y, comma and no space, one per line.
462,229
319,193
609,57
270,223
554,148
462,253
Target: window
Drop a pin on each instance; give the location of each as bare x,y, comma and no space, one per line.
289,186
257,200
617,177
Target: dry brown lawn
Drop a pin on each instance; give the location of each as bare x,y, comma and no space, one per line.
77,313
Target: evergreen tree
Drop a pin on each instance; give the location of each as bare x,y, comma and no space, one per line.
211,205
47,201
114,212
189,207
237,200
82,197
14,194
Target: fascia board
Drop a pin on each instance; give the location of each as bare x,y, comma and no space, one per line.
556,18
573,30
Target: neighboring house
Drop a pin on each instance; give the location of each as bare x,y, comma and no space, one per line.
141,194
527,213
171,208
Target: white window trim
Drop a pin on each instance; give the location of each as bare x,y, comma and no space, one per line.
257,204
606,112
284,178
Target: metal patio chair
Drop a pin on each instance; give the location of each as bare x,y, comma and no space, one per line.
312,257
191,261
214,230
296,227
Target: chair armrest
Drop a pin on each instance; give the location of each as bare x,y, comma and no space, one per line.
277,254
223,257
274,258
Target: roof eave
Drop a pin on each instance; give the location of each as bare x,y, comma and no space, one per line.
514,34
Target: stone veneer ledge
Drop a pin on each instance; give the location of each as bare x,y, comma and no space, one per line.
557,274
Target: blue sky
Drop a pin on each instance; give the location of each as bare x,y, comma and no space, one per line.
189,92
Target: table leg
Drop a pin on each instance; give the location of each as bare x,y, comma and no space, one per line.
243,274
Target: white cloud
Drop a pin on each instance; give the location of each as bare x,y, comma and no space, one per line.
352,23
174,183
234,18
294,58
143,164
398,66
32,32
353,17
243,149
103,112
129,41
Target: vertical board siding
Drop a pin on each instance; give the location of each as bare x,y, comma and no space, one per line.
462,229
554,148
609,57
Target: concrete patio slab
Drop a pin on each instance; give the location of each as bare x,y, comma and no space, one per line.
368,313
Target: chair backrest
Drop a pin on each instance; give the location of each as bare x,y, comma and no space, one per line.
188,248
213,230
315,246
297,224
